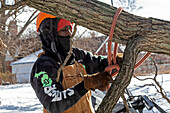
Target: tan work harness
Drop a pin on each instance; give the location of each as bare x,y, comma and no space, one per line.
71,77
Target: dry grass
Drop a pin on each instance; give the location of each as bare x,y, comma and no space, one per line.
7,77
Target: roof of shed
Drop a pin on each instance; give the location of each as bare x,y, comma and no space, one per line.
28,59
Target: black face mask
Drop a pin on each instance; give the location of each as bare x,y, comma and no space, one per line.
63,44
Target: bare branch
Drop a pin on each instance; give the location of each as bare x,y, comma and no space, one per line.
82,34
142,79
10,12
12,7
157,83
27,23
157,86
125,103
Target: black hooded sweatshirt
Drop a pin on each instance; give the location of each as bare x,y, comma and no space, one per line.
44,72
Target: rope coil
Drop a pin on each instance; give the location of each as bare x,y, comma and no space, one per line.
116,66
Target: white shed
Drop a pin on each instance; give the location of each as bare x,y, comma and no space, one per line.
22,68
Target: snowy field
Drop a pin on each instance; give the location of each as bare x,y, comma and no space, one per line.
20,98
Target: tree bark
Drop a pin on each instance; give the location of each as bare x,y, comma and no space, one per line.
98,16
133,47
2,36
138,33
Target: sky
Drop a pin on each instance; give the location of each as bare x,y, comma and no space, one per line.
155,8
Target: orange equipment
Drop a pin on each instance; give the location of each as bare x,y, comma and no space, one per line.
116,66
41,16
61,24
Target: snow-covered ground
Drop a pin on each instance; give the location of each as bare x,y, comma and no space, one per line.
136,87
20,98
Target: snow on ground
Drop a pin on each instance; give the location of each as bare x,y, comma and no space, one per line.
20,98
136,88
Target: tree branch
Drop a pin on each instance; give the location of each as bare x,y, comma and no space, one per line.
159,89
27,23
12,7
124,76
157,83
98,16
125,103
10,12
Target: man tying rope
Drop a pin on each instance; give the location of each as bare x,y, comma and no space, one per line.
83,72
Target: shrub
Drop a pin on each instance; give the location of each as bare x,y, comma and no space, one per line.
7,77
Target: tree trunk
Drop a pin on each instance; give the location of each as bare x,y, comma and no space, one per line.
3,37
133,47
138,33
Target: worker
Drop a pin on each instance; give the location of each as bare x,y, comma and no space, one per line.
82,73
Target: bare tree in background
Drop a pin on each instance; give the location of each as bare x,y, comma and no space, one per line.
129,5
9,11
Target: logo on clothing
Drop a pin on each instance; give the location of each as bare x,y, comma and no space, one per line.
51,90
56,94
45,80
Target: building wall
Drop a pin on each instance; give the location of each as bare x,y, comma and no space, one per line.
8,67
22,72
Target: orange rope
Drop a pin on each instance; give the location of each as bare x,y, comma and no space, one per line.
116,66
110,67
115,53
119,10
142,60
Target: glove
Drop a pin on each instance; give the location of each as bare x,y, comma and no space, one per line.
119,58
97,81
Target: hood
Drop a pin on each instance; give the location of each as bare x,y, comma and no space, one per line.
52,43
49,37
48,34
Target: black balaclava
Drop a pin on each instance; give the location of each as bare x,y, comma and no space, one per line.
64,44
51,42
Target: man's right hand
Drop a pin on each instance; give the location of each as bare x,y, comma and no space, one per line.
97,81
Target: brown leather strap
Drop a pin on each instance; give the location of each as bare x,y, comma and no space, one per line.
44,110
